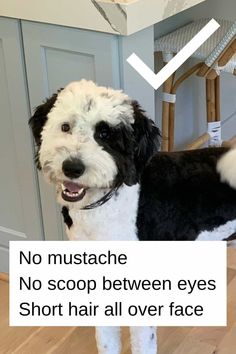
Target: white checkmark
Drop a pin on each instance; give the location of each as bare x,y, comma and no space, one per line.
156,80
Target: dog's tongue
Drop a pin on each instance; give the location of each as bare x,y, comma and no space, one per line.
71,186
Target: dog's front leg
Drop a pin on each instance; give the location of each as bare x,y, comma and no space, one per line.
143,340
108,340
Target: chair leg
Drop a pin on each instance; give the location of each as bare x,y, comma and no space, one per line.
167,86
196,144
218,110
210,100
217,98
213,111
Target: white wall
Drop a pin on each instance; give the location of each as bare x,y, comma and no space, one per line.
191,110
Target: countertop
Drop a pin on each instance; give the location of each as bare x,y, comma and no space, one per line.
122,17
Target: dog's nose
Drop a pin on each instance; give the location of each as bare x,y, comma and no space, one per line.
73,168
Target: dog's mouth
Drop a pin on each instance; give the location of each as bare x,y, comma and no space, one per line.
72,192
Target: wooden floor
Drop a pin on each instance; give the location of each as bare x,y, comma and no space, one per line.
71,340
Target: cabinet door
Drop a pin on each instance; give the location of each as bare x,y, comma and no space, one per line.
55,56
19,204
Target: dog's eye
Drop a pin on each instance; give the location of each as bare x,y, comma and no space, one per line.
104,134
65,127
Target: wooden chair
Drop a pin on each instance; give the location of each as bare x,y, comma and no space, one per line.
216,55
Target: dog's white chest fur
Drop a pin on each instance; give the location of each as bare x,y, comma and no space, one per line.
115,220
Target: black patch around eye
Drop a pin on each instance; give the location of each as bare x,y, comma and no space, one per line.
121,146
103,131
118,139
65,127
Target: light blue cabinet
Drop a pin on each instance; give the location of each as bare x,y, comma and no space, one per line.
20,216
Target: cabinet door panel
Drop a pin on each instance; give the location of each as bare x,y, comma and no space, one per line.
76,64
54,57
19,203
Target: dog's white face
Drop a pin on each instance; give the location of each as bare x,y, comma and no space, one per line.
87,140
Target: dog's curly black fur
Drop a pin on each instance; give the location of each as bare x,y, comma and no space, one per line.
182,195
37,122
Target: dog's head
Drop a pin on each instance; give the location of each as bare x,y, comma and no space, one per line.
89,138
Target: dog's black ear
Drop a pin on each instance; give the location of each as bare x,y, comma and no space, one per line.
147,137
37,121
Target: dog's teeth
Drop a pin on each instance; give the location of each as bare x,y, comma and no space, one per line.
71,194
81,191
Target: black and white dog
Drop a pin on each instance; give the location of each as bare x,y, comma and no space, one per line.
100,151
